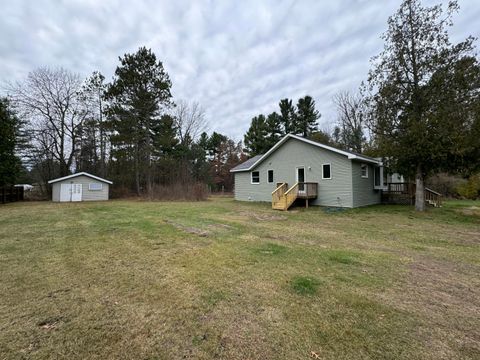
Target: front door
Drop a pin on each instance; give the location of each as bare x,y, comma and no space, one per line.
300,176
70,192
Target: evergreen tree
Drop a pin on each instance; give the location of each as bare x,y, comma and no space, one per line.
137,96
414,122
10,165
273,130
287,116
254,139
306,120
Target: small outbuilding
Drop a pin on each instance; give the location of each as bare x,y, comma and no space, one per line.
81,186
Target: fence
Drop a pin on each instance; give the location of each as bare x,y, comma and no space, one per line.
10,194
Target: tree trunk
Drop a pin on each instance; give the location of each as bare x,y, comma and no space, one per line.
420,190
137,171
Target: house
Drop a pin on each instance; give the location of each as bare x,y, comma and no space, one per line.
298,168
81,186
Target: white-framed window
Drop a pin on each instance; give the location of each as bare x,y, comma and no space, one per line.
364,170
326,171
379,181
255,177
270,176
95,186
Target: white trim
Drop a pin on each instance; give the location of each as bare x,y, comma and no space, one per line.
349,155
80,174
323,177
304,176
304,173
380,186
251,177
361,171
273,176
94,183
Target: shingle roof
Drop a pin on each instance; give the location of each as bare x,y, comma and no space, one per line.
246,164
251,163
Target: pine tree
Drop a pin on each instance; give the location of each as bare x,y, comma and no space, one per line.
139,93
254,139
273,130
287,116
10,165
306,121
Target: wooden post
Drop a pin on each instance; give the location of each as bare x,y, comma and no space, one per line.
306,203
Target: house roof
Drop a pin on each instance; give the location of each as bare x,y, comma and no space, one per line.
256,160
246,164
80,174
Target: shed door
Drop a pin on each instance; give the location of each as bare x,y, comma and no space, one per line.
70,192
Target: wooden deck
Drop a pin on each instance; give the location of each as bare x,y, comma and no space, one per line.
404,193
283,197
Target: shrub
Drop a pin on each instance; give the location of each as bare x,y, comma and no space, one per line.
445,184
179,191
470,189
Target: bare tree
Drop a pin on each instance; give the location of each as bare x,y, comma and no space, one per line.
93,91
349,131
190,121
50,101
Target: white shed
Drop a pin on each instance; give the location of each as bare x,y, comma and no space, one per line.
81,186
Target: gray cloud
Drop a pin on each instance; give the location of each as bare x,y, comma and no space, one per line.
238,59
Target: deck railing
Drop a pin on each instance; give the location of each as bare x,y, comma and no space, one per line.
405,193
291,195
278,193
307,190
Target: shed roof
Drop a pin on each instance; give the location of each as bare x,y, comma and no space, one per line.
251,163
80,174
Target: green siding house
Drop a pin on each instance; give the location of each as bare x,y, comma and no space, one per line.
321,174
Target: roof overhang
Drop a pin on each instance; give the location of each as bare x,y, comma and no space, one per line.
80,174
349,155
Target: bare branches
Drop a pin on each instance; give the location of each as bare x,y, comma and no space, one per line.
190,121
351,120
50,100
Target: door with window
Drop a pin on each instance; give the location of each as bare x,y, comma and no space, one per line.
300,177
70,192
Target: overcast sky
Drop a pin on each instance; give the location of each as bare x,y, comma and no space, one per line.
236,58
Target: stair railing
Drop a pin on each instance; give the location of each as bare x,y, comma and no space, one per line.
279,193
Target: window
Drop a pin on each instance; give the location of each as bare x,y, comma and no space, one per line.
270,176
326,171
95,186
377,176
364,168
379,180
255,177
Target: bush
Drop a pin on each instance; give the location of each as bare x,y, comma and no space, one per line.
470,189
445,184
190,192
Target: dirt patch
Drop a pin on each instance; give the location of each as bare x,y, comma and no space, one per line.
50,323
188,229
264,216
220,226
470,211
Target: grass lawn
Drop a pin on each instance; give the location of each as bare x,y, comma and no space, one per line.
228,280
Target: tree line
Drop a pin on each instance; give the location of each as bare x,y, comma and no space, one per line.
128,130
265,131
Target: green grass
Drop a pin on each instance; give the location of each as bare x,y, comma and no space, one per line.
228,280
